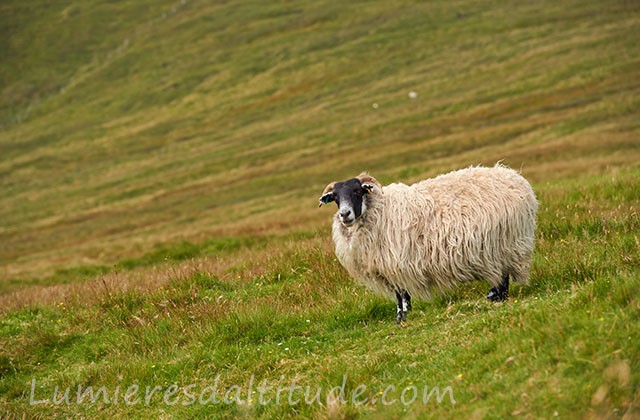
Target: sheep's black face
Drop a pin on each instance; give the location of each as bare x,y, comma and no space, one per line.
349,196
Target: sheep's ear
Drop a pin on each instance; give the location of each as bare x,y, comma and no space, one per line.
326,199
327,195
367,187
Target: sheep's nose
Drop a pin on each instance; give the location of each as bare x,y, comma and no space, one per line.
345,213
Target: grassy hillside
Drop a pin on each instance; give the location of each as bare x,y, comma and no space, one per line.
160,166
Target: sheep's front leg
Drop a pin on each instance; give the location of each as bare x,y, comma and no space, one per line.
501,292
406,299
404,304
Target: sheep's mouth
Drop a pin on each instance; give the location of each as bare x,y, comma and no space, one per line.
348,221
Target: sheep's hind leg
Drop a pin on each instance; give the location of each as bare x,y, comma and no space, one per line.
404,304
501,292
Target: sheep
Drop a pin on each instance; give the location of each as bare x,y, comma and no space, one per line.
472,224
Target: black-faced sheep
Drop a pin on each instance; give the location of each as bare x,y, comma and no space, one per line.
471,224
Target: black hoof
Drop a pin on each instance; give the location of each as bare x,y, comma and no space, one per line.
498,294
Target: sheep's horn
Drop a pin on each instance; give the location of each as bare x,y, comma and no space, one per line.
365,178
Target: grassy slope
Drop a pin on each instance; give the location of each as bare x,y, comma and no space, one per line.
130,127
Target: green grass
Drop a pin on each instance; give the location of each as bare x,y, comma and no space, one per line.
160,164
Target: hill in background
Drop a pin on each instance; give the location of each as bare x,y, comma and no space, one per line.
129,124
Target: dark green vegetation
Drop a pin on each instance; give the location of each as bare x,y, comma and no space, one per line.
160,164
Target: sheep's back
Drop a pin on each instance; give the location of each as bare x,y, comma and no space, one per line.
476,223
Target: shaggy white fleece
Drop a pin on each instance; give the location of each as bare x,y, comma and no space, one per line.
471,224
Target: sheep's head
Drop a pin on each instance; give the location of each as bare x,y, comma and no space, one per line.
351,196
